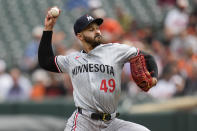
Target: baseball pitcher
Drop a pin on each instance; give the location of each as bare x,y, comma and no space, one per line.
95,73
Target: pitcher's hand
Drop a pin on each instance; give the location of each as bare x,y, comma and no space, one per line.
50,21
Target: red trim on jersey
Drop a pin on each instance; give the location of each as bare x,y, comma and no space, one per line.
77,57
57,65
138,51
76,121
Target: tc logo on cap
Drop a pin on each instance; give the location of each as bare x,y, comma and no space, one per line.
90,18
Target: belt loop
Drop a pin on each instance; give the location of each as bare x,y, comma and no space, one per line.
79,110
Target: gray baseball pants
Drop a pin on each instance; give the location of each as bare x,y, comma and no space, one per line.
80,122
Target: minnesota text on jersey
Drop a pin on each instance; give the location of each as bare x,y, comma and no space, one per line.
93,68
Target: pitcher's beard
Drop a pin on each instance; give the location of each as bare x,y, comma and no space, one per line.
93,42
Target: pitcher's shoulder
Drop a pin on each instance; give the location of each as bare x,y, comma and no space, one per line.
71,54
111,44
116,45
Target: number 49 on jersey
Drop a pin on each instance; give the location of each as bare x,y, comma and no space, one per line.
108,85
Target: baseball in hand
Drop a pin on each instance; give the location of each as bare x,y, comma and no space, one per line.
54,11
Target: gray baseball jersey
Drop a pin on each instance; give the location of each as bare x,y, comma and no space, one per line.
96,76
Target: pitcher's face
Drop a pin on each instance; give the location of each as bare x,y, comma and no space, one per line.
92,35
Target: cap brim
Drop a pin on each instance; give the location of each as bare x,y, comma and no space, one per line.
98,21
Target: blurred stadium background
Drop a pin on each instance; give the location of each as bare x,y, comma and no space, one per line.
19,17
35,100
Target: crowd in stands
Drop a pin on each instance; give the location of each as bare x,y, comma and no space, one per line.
173,45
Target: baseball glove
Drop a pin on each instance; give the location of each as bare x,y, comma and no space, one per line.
140,73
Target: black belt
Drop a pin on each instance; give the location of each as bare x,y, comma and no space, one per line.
99,116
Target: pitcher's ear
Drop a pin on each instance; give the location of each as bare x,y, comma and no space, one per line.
79,36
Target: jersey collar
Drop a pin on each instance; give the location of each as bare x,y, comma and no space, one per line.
83,51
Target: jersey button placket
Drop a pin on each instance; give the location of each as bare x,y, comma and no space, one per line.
88,61
90,75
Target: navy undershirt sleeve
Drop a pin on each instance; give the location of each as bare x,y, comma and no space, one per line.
46,56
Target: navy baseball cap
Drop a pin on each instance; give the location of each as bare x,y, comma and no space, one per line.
82,22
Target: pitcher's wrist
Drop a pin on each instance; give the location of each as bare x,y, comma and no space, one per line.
48,28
